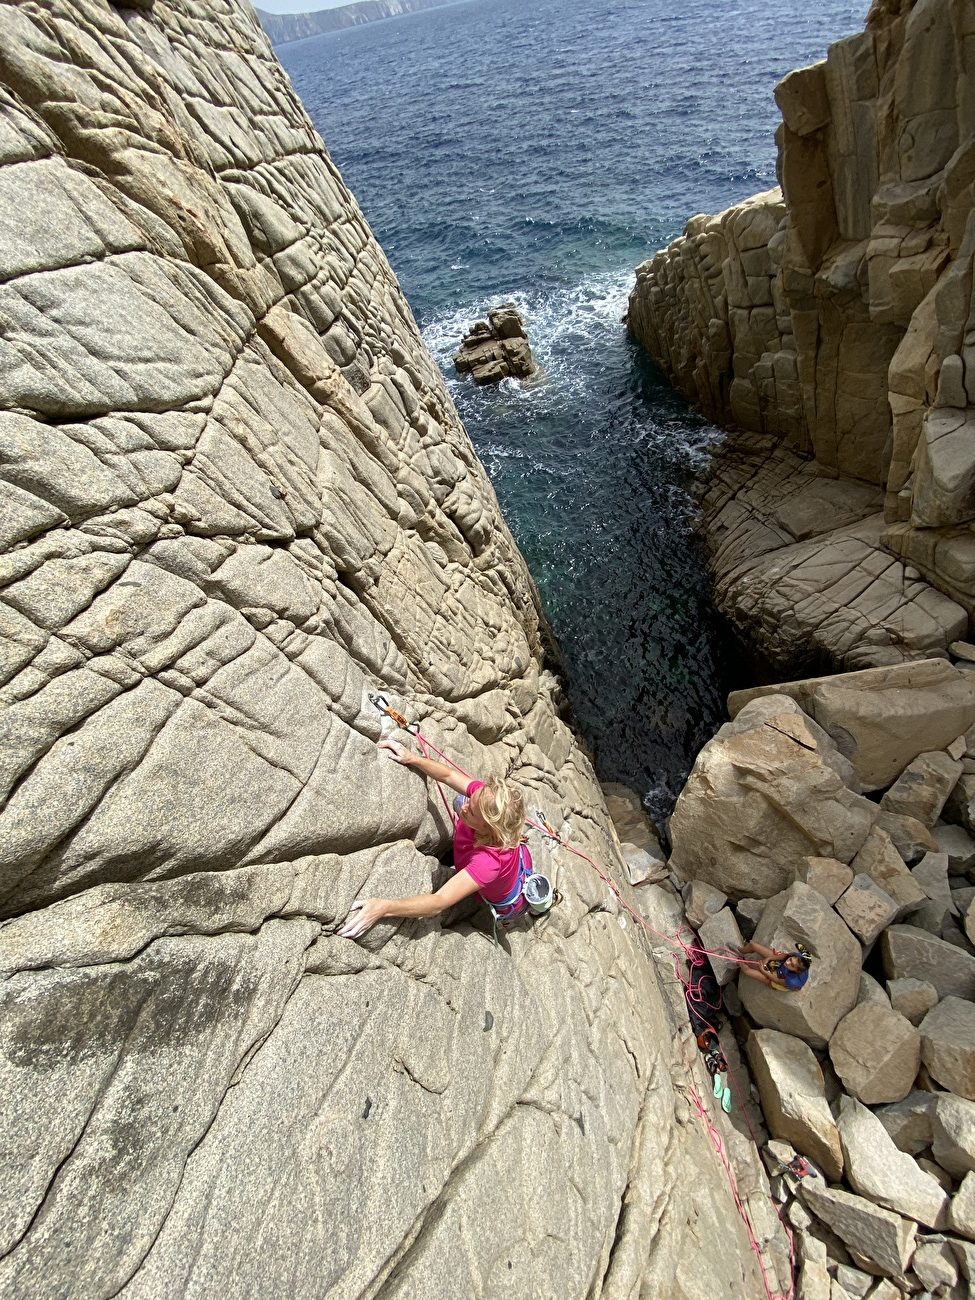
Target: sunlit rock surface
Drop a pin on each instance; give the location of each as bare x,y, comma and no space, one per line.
834,316
236,500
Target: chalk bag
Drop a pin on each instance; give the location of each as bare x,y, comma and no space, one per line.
538,893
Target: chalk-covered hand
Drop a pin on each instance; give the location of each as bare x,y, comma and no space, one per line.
363,914
398,752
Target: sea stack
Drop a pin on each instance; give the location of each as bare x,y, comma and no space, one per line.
496,348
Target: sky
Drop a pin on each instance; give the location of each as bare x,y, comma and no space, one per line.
297,6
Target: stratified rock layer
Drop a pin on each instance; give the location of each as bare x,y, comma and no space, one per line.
237,500
834,318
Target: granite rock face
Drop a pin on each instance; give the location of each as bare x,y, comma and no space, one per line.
832,319
236,501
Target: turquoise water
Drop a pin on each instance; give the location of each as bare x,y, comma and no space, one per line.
537,152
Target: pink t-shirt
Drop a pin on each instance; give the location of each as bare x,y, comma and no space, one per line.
495,870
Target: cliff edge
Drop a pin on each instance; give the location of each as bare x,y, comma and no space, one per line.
833,318
237,501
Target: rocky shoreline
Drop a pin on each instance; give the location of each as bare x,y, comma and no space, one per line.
837,813
833,318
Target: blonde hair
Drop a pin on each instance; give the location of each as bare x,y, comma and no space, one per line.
504,812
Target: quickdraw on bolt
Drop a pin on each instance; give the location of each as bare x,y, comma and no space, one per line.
546,827
384,706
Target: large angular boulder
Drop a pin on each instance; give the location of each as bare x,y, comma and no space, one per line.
802,914
922,789
953,1134
909,1121
912,998
720,934
910,838
882,718
866,908
790,1083
876,1052
827,875
931,875
948,1045
958,844
871,1233
877,1169
915,954
879,859
768,792
961,1211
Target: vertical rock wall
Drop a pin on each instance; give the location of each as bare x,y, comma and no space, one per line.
236,498
835,315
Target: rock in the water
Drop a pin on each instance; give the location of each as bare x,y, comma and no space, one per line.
915,954
912,998
496,349
871,1233
948,1045
793,1098
922,789
877,1169
876,1052
802,914
765,794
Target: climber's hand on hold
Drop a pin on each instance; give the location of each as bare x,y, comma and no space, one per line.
398,752
363,914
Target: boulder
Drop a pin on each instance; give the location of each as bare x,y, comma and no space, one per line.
970,922
912,998
871,1233
630,819
876,1053
878,1170
934,1265
910,838
827,875
790,1083
922,789
749,913
959,846
765,794
854,1281
870,991
701,901
641,868
802,914
961,1211
931,875
813,1282
909,1122
948,1045
867,909
953,1133
960,806
965,1254
496,349
882,718
915,954
720,933
879,859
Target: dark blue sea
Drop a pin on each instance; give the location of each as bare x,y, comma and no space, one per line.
536,151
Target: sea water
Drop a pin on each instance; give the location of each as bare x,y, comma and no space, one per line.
536,151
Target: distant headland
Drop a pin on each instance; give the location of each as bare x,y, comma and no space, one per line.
282,28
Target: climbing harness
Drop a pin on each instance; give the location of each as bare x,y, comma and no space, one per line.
691,953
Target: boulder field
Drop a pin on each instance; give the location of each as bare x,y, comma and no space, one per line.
237,503
830,323
848,840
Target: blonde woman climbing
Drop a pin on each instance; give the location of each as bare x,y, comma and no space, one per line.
489,857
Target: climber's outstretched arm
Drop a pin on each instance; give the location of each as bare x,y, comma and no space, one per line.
365,912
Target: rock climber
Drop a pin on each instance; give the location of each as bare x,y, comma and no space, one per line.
489,857
786,971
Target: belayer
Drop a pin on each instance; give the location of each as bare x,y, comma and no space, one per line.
786,971
489,857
